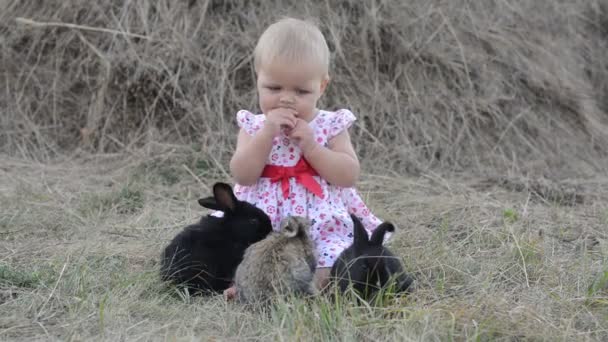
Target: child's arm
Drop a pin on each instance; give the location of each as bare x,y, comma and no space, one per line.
338,163
250,156
252,151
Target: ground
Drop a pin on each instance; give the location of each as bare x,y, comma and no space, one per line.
494,259
481,130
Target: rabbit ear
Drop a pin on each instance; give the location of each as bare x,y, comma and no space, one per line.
224,196
378,234
210,203
360,239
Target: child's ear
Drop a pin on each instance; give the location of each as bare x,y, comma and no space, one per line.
324,83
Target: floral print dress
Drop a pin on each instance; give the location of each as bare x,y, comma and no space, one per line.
332,227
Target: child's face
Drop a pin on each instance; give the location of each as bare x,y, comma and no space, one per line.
290,86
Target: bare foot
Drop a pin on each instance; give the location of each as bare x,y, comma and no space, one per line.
230,293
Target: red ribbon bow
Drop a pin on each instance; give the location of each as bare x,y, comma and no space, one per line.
302,172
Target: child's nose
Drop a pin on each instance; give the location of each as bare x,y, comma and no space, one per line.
287,98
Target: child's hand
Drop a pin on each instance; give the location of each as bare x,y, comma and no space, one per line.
303,136
280,118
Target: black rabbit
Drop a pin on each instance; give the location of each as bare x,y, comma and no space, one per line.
368,265
204,256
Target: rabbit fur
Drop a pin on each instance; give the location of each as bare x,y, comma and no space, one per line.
368,265
282,263
204,256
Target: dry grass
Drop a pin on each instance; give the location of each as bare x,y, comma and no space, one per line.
456,85
482,132
80,241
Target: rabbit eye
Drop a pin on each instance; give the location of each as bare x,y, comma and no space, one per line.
254,221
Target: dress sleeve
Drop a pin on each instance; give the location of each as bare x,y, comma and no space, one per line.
248,121
341,120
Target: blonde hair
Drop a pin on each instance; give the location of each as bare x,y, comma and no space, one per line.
295,41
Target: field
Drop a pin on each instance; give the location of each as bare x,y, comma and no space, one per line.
482,132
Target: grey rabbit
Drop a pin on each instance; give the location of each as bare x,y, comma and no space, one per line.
368,265
282,263
204,256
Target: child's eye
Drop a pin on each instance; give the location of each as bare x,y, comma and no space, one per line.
303,91
273,88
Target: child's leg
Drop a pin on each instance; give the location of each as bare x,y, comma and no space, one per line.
322,277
